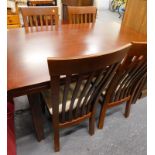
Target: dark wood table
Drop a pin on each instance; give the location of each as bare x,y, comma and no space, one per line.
27,55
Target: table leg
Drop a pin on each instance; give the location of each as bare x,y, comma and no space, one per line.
35,105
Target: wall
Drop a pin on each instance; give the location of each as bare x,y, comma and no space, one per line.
102,4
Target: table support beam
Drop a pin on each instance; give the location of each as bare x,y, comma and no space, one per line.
37,117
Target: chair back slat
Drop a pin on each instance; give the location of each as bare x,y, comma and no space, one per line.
64,100
84,92
83,80
39,18
31,23
82,14
74,96
140,86
36,22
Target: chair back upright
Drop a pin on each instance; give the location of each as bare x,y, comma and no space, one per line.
81,14
90,76
131,74
40,18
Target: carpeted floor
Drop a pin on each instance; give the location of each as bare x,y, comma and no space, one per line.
120,136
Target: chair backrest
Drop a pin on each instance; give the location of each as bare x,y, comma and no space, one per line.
83,78
131,74
81,14
40,18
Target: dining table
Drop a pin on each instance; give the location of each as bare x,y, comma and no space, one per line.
27,53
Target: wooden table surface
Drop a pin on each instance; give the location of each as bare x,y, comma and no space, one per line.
27,53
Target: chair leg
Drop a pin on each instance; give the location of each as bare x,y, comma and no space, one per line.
56,141
127,109
56,137
102,116
91,125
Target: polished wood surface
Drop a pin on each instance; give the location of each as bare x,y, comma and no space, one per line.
36,17
27,53
136,15
82,14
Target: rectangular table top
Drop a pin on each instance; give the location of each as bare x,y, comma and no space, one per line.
28,52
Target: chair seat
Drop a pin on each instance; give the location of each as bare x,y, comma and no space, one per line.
47,97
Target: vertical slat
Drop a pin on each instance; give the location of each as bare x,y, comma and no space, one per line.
56,21
36,22
128,76
41,22
121,87
81,20
78,18
70,19
65,94
86,18
89,18
51,22
83,93
26,21
104,81
31,23
133,80
139,89
109,75
74,96
74,18
90,92
46,21
94,17
115,85
133,73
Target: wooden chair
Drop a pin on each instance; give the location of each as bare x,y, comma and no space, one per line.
128,81
75,90
39,18
81,14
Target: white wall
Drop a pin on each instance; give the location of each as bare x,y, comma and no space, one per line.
102,4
